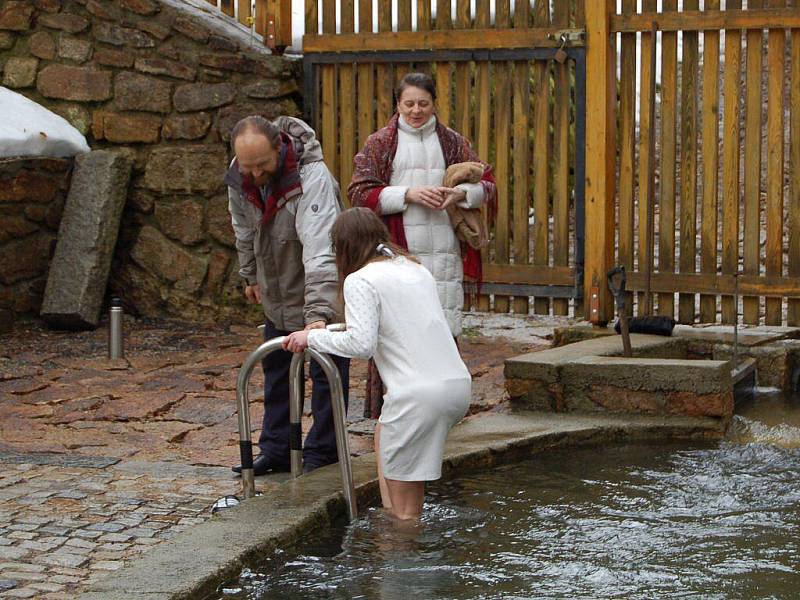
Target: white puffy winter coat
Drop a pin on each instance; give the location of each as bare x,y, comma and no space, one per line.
419,161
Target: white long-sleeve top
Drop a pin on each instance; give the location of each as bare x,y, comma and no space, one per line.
419,161
393,315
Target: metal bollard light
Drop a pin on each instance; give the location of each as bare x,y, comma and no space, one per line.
296,386
115,345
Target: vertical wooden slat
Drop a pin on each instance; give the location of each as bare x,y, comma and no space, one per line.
284,24
561,127
600,158
261,17
483,119
423,15
328,104
462,88
227,7
793,316
541,152
243,11
686,302
521,200
730,162
443,101
627,150
347,102
708,221
403,15
502,119
775,132
645,156
752,164
312,16
385,82
366,80
666,205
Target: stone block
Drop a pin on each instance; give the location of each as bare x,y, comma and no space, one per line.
157,255
103,10
6,40
25,258
121,36
229,62
49,6
68,22
140,92
157,30
186,127
75,49
77,115
186,169
16,15
202,96
20,72
191,29
141,201
126,128
26,186
79,271
42,45
74,83
162,66
219,221
15,227
270,89
218,263
181,221
113,58
141,7
222,44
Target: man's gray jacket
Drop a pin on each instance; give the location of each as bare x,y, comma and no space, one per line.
291,257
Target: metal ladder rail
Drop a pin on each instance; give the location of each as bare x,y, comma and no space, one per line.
295,409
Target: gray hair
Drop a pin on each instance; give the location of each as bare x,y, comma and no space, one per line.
256,124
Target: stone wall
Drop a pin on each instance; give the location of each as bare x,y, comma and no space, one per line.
32,194
164,85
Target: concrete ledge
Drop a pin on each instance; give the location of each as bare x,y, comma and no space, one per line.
195,562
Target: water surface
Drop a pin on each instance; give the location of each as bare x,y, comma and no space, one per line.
633,521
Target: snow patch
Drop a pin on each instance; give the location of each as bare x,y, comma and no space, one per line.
29,129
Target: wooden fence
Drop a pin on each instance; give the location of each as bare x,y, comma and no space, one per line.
726,188
695,181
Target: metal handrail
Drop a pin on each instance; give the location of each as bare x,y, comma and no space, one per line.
296,386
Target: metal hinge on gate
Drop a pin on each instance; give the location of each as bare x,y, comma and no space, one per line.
270,37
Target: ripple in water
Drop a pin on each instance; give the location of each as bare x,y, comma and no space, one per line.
630,522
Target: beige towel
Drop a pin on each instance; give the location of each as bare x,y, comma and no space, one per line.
468,223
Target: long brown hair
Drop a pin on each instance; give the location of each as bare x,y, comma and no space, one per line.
356,234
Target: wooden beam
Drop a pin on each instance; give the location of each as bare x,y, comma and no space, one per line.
700,20
451,39
529,274
600,159
704,283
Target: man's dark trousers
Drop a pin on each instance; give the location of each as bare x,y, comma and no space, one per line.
319,447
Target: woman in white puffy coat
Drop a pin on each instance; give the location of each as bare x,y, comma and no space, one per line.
399,175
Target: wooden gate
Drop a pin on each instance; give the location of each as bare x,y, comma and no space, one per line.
498,83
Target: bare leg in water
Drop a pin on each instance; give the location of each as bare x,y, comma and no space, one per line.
402,499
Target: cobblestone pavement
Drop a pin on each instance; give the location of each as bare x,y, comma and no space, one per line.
100,460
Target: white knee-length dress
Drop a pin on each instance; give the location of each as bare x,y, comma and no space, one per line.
393,315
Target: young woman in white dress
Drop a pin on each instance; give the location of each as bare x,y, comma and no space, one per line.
393,315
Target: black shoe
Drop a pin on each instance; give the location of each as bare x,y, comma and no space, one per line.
262,465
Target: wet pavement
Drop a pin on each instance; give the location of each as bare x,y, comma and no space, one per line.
103,459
